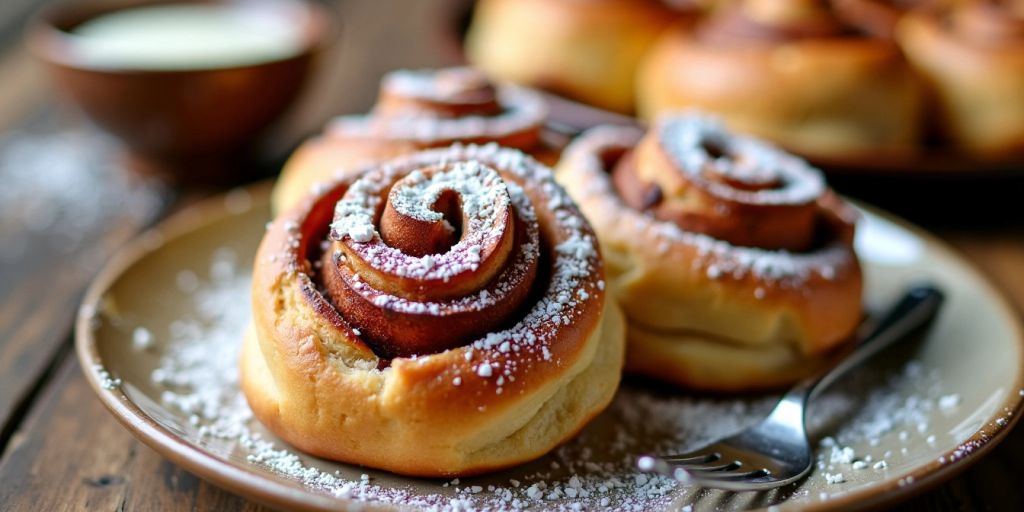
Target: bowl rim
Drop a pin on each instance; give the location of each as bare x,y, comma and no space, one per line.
47,39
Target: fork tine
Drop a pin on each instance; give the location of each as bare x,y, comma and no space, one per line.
692,458
721,468
775,451
733,476
652,463
721,480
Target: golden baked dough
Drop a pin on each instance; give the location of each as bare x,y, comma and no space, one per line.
490,386
586,50
703,311
417,110
793,72
879,18
973,58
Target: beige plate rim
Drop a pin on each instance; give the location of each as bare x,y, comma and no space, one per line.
252,484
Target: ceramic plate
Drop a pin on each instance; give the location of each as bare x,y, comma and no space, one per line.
160,329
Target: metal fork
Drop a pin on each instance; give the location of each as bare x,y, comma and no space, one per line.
776,451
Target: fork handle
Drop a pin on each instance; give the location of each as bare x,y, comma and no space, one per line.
917,308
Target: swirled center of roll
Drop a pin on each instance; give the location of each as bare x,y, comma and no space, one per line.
736,168
689,171
445,93
735,171
451,242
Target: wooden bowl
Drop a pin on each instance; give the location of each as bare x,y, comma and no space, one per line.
191,123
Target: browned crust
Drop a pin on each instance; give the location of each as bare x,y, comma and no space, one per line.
664,286
312,381
236,477
373,137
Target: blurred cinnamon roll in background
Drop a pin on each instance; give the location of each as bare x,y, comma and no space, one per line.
800,73
417,110
879,18
972,55
587,50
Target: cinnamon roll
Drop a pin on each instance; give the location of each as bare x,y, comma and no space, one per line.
417,110
733,260
585,50
972,55
441,314
796,72
879,18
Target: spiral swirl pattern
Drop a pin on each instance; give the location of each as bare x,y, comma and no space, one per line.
448,248
693,173
733,262
439,314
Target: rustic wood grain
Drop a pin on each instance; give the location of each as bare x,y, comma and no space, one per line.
41,294
14,14
41,291
27,349
72,455
23,87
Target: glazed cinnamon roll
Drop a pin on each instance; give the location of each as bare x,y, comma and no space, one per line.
796,72
585,50
733,260
417,110
972,54
441,314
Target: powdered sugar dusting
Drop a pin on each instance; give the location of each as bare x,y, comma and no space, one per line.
484,199
482,192
570,284
63,191
436,84
685,137
523,111
718,259
106,380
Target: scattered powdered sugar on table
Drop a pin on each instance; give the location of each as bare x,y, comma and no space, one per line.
65,188
198,376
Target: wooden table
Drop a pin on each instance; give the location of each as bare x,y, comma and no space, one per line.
61,450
